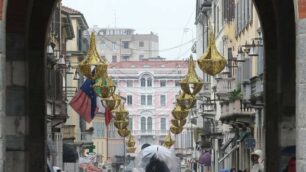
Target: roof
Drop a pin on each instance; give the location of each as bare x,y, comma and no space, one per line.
70,10
81,19
150,64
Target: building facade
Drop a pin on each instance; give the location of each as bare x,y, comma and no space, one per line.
123,44
150,88
237,91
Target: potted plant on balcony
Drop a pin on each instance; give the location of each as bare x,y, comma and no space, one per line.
235,95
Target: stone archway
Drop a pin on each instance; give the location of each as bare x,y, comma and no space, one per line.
26,27
278,25
23,90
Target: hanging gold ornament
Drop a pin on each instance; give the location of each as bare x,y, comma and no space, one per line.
212,62
176,130
191,84
121,124
131,150
121,112
93,61
178,113
186,101
178,123
131,141
104,87
168,141
112,102
124,132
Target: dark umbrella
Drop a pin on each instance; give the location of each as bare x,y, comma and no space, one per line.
288,151
205,159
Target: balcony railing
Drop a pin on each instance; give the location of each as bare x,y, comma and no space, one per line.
86,136
224,86
149,132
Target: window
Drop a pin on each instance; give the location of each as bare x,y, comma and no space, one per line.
125,58
143,124
141,44
143,82
162,83
129,100
149,100
114,59
131,123
143,100
141,57
149,82
129,83
163,124
98,129
114,46
163,100
125,44
149,124
177,83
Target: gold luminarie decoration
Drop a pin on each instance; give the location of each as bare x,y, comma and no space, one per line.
112,102
212,62
104,87
191,84
131,144
93,61
186,101
168,141
176,130
178,113
121,120
179,120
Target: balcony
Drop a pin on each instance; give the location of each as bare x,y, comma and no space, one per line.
253,90
224,86
237,114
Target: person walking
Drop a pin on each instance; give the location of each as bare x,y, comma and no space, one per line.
257,161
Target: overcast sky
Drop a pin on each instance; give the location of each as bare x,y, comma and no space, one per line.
167,18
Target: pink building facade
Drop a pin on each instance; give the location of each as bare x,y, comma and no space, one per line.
150,89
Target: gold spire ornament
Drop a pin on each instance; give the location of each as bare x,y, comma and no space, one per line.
112,102
168,141
178,113
191,84
93,61
212,62
186,101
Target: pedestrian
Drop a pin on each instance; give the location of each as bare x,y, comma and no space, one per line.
257,161
157,158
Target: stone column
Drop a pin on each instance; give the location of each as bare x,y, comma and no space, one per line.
301,93
2,85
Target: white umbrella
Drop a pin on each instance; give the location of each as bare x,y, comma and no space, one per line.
162,153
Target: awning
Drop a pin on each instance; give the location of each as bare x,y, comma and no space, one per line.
230,152
69,153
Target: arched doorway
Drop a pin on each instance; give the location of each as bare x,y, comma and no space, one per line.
26,27
278,25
